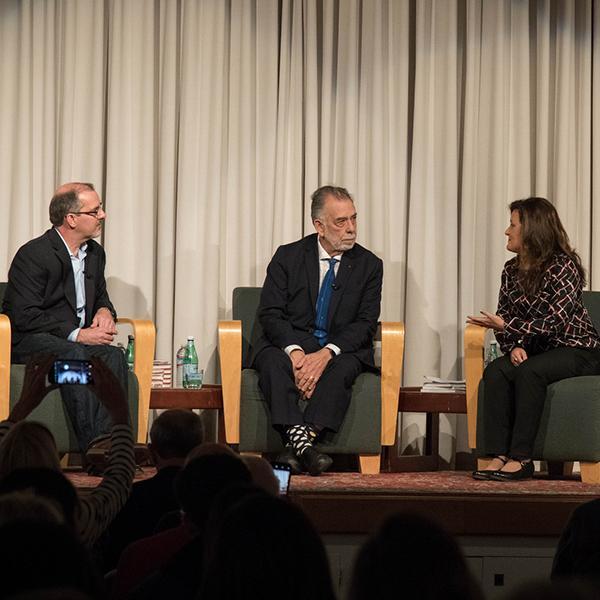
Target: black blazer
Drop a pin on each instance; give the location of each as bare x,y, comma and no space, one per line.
287,310
40,296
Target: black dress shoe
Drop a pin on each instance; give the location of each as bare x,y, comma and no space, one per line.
314,462
288,457
486,474
483,474
525,472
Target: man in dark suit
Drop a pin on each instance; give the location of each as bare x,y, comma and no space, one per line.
318,311
58,304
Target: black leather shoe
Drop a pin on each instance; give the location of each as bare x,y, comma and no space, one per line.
483,474
288,457
314,462
486,474
525,472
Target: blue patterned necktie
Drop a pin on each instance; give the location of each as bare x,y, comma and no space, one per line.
323,300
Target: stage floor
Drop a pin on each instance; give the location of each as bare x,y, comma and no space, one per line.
350,503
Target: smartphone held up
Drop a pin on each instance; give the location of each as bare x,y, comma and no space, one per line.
71,372
283,473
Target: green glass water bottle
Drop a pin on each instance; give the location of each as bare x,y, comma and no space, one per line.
492,353
191,378
130,353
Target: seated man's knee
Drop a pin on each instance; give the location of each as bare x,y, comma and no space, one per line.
111,353
347,367
74,350
274,359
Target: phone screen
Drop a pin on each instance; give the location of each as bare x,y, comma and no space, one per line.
71,371
283,474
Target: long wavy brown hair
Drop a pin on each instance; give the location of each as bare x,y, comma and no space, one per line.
543,236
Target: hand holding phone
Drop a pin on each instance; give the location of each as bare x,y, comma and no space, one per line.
35,386
109,391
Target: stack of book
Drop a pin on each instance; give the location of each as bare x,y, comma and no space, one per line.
448,386
162,374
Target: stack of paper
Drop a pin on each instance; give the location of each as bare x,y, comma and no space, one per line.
162,374
438,385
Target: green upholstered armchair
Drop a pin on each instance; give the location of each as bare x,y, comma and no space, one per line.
570,425
51,412
371,418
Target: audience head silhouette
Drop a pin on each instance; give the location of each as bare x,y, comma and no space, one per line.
36,555
45,483
262,474
202,479
26,506
413,555
268,545
174,434
28,444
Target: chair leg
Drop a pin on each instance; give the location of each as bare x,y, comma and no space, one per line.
590,472
558,468
369,463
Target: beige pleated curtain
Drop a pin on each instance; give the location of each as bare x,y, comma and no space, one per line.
206,124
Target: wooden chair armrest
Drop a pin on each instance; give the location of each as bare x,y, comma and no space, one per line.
474,343
5,341
392,357
145,343
230,353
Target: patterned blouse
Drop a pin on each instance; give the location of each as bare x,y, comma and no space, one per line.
554,318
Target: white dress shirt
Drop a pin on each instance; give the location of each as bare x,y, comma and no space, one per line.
78,264
323,268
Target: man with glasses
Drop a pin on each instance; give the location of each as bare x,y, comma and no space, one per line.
318,311
58,304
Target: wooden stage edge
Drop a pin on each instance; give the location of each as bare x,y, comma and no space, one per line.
340,504
472,515
463,512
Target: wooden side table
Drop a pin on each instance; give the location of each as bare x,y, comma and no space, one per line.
412,399
208,397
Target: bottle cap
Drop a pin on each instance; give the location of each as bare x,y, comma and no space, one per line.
190,337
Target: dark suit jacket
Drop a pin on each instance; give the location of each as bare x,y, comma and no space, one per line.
289,296
40,296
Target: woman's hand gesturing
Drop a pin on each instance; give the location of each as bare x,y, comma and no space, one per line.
489,320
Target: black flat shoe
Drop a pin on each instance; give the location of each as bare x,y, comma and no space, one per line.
525,472
486,474
483,474
288,457
314,462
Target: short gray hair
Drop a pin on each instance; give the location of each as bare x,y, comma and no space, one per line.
66,200
320,195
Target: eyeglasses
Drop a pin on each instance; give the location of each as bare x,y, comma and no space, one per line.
93,213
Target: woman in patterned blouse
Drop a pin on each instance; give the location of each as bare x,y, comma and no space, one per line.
543,330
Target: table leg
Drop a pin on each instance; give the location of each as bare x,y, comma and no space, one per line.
393,461
221,427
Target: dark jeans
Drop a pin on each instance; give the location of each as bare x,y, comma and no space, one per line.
515,396
329,402
87,414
